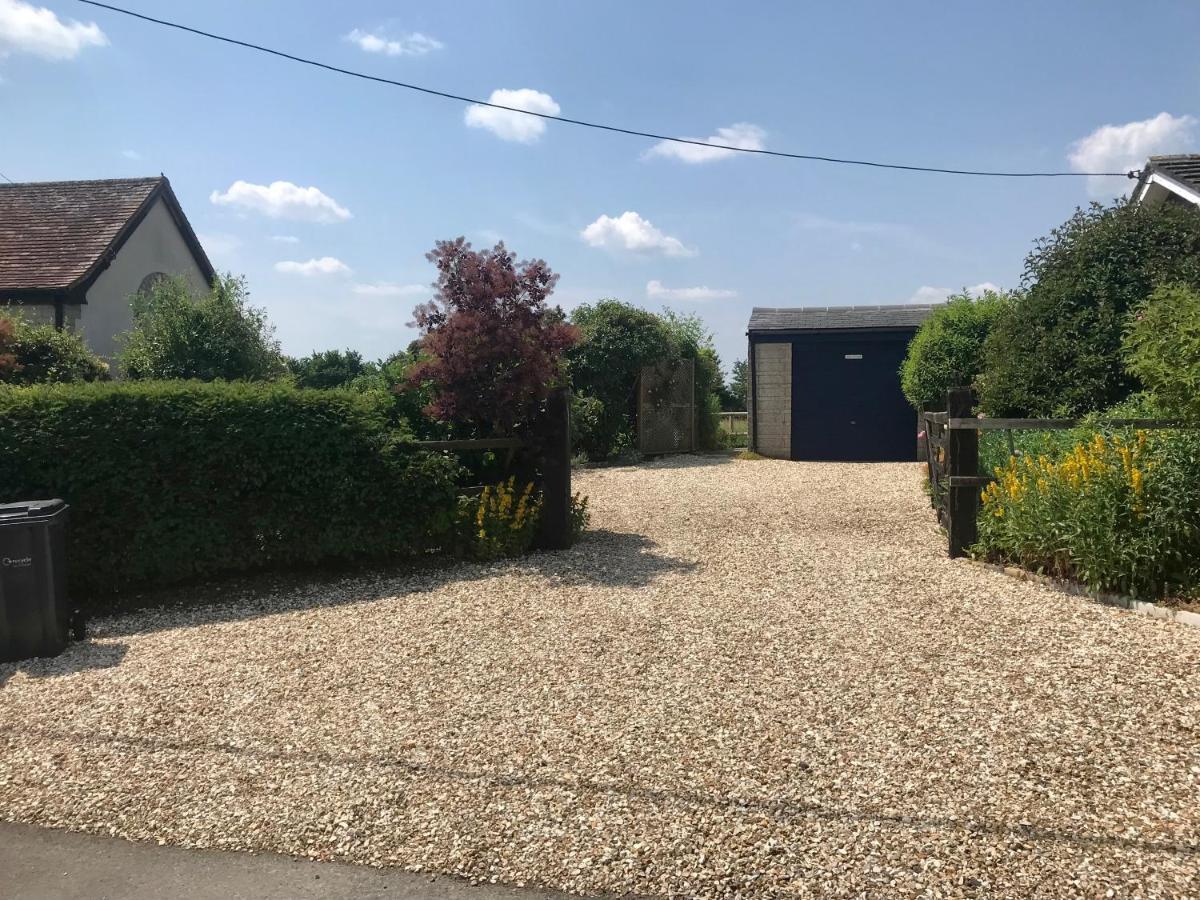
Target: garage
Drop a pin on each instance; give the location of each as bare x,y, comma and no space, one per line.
825,382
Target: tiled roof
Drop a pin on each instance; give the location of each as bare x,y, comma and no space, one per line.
818,318
1184,168
53,233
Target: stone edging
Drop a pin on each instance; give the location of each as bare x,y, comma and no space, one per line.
1121,601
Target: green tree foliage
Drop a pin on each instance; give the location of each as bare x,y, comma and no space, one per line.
178,334
615,341
739,385
1162,348
1057,350
32,353
174,481
328,369
947,350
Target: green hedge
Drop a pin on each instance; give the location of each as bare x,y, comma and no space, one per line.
171,481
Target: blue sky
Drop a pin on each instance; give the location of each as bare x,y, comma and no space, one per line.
347,184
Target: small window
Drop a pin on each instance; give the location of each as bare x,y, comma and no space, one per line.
150,281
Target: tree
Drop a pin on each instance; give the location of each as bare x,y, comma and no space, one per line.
616,340
37,353
491,350
1162,348
739,383
178,334
947,350
328,369
1057,349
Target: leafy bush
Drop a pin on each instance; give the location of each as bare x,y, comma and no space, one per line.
329,369
1119,513
500,522
617,341
947,350
578,516
33,353
491,349
1057,348
171,481
587,427
1162,348
179,335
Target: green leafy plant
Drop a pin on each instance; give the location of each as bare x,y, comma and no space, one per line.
578,516
1117,512
178,334
329,369
1057,348
947,350
174,481
500,522
35,353
1162,348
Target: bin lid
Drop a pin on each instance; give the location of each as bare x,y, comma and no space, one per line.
30,509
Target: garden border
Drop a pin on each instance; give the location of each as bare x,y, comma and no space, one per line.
1074,588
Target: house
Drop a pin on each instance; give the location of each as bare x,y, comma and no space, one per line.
1169,179
75,252
825,382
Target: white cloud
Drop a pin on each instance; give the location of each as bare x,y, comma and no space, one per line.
326,265
412,44
25,28
513,126
928,294
1120,148
282,200
656,290
131,154
631,232
742,135
285,239
390,289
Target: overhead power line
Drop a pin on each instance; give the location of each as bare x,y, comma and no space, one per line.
6,178
446,95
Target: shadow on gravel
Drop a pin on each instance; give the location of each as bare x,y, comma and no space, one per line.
604,558
781,810
82,656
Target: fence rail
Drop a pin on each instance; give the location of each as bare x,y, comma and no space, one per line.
952,458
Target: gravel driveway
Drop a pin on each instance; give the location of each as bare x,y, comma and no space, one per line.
753,679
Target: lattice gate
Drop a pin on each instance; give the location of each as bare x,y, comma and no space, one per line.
667,408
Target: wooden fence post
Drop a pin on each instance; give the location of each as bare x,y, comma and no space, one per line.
962,462
554,445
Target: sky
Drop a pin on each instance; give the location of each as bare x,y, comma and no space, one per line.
326,191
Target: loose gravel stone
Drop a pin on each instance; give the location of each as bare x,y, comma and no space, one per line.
752,679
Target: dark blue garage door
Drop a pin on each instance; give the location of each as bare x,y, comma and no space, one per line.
846,398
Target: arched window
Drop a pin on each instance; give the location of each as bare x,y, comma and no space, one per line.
150,281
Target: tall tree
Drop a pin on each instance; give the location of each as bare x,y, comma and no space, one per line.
739,382
491,349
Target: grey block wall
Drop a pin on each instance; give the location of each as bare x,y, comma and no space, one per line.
772,413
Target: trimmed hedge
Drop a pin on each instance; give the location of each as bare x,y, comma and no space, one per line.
172,481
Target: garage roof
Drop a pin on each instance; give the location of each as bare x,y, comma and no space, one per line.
825,318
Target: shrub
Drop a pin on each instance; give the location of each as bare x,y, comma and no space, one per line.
172,481
947,350
179,335
329,369
1162,348
1119,513
578,516
42,354
1057,348
616,340
501,521
491,349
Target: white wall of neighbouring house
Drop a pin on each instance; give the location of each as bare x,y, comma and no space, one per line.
156,245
